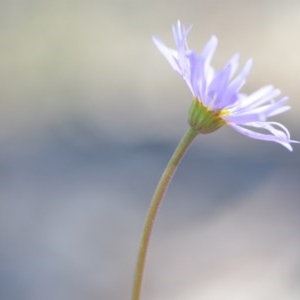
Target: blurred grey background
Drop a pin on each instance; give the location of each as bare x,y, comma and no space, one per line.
90,112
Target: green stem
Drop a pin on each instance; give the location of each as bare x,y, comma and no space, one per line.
154,205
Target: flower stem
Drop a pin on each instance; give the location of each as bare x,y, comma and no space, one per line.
154,205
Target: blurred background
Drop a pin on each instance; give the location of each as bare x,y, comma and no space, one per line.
90,112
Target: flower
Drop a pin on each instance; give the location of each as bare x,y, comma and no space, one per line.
217,98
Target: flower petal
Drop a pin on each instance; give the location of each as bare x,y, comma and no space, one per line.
239,81
180,34
218,87
278,138
209,49
277,107
244,118
170,54
284,133
231,94
259,97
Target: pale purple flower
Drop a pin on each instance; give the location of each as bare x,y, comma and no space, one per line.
220,91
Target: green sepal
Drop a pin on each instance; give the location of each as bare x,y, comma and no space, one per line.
204,120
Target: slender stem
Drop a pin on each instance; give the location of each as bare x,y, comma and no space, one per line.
154,205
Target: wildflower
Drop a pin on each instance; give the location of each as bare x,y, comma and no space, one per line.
217,98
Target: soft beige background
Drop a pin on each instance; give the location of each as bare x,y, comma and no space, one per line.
89,114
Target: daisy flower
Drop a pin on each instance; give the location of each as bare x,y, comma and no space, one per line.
217,100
